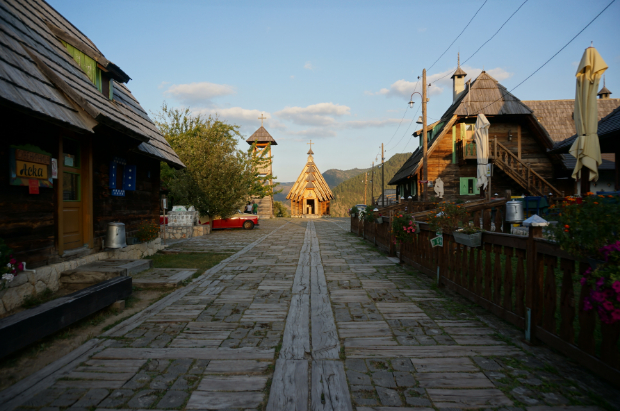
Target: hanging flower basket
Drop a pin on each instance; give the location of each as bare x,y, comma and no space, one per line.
470,240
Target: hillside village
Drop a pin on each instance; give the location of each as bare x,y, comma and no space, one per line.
173,253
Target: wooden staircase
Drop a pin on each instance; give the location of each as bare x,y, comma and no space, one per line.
522,172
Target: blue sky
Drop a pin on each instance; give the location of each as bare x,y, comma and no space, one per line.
337,72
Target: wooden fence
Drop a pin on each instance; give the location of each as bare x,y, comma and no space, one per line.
547,304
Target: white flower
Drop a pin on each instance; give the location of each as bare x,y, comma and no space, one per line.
8,277
9,265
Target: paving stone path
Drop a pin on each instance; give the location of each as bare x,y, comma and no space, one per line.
306,316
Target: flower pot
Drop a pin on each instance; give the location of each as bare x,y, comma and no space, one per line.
380,220
470,240
594,263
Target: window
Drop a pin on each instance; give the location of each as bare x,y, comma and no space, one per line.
70,187
468,186
100,79
122,177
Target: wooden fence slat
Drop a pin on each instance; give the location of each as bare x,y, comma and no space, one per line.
486,219
520,284
587,323
487,272
609,346
508,278
497,275
567,301
549,295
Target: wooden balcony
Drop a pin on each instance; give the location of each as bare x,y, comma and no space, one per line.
466,150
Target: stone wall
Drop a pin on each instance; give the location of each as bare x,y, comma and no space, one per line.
180,232
33,282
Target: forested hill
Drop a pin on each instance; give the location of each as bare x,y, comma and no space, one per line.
333,176
351,191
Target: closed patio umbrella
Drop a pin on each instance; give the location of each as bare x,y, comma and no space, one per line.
481,137
586,148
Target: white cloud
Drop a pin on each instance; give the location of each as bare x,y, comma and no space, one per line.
308,66
163,84
198,93
292,76
242,117
421,29
316,132
370,123
314,115
438,82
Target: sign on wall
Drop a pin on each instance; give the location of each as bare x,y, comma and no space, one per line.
30,166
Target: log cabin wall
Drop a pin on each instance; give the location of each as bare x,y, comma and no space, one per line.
440,162
28,222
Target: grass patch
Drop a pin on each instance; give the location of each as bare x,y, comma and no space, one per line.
201,261
32,301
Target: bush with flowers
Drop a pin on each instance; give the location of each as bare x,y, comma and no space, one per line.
584,228
404,227
448,217
147,231
605,285
9,267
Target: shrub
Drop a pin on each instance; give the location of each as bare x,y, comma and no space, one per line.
448,217
605,285
280,210
403,227
147,231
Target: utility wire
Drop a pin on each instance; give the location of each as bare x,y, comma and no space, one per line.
552,57
457,37
401,121
396,145
498,30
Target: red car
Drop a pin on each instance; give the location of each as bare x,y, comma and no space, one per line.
239,220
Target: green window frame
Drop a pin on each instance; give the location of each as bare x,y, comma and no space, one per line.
89,66
468,186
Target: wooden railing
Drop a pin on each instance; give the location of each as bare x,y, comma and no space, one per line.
521,172
517,277
465,150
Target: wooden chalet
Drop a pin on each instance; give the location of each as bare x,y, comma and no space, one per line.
264,141
310,195
518,145
78,149
557,116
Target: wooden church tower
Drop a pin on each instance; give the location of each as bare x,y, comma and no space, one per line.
310,195
262,138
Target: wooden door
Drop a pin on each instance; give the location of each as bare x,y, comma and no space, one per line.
72,207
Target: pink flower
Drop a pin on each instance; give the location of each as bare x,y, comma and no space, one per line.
587,306
410,222
12,261
608,306
583,280
598,296
615,315
600,282
616,286
20,266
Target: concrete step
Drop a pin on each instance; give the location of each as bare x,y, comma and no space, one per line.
93,273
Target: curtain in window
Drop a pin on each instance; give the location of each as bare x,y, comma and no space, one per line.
87,64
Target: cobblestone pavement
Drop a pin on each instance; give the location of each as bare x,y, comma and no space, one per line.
308,316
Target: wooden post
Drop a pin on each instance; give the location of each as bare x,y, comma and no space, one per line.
534,284
365,185
372,184
519,141
585,180
60,243
424,140
382,177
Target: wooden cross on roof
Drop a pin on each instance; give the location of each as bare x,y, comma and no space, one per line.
310,151
261,118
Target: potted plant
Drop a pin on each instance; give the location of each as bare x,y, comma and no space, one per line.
604,282
369,216
353,211
469,235
586,225
9,267
403,227
378,217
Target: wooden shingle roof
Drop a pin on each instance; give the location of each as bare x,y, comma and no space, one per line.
261,136
608,134
40,77
310,178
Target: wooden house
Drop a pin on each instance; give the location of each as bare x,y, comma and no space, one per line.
78,150
518,145
264,141
557,116
310,195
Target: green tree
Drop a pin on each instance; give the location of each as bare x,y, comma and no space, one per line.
279,210
219,177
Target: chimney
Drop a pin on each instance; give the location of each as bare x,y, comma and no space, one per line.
458,80
604,93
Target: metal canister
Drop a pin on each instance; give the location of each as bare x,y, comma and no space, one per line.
115,237
514,211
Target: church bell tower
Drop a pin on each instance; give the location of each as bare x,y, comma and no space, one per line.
262,138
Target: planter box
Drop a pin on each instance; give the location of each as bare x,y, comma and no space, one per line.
380,220
470,240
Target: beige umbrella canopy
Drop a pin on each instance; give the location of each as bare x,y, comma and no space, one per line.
481,136
586,148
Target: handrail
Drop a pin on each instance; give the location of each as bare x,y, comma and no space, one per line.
530,171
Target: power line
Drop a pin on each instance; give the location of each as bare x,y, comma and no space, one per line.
552,57
396,145
457,37
498,30
401,121
406,131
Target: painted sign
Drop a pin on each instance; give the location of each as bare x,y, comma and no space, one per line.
30,166
30,170
54,168
33,187
437,241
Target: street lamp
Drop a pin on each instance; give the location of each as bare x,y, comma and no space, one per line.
411,102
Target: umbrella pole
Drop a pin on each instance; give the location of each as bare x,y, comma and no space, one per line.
585,180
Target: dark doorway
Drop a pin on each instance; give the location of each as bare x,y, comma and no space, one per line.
309,206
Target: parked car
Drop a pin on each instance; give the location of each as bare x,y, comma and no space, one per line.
361,207
239,220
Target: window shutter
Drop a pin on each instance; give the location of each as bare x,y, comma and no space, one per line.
463,181
113,171
476,188
129,178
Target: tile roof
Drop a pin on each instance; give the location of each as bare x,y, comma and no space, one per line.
39,76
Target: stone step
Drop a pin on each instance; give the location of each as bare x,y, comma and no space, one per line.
98,271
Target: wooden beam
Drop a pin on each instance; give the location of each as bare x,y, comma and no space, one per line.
519,141
60,241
